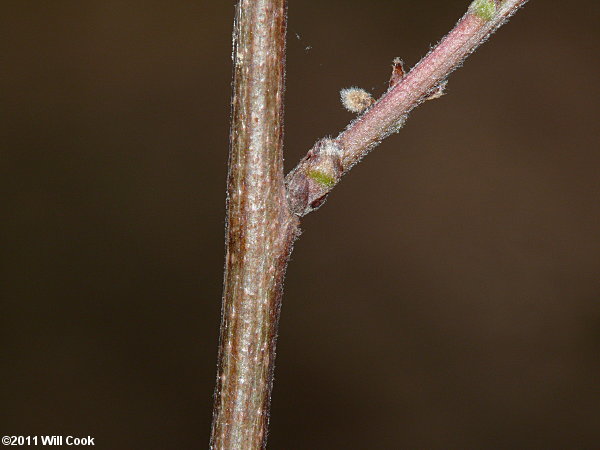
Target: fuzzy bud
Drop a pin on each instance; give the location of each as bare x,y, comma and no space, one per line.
310,183
355,99
484,9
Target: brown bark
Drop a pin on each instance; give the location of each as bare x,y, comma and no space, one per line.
260,229
262,214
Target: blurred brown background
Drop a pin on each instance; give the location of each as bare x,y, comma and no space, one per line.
446,296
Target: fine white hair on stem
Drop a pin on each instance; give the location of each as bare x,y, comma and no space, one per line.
378,119
263,208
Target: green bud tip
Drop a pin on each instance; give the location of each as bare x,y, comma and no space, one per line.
484,9
322,178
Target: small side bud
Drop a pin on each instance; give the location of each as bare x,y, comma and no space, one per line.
323,178
484,9
438,91
328,146
355,99
309,184
398,72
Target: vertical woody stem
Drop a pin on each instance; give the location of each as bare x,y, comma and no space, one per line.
261,225
260,229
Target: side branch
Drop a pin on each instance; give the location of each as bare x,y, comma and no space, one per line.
319,171
260,229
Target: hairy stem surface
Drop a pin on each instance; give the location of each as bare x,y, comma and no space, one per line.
263,210
260,229
320,170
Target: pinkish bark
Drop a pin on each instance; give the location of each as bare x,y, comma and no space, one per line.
319,171
260,229
262,216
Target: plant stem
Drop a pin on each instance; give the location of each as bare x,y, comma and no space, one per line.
262,215
260,229
329,159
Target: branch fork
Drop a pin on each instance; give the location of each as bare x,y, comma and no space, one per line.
263,207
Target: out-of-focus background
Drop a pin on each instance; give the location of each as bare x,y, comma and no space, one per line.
446,296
